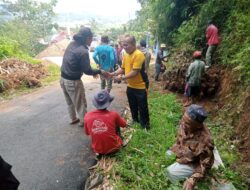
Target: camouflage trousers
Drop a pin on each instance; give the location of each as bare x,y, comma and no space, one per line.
209,54
106,82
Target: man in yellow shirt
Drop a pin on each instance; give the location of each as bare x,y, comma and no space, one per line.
133,68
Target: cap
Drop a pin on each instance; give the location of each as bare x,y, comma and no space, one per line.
197,113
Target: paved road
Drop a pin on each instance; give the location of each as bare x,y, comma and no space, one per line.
58,60
46,152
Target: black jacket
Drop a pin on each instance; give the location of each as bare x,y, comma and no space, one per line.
76,62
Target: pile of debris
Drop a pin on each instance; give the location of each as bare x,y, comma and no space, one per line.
15,73
174,79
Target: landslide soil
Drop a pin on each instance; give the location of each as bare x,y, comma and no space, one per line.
223,96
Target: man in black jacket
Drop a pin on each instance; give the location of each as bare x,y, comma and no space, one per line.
76,62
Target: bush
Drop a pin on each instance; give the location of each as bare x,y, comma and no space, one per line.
233,21
8,47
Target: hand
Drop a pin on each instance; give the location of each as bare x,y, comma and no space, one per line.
106,74
96,76
117,78
188,184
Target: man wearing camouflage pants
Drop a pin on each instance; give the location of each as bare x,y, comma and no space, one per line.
212,42
75,63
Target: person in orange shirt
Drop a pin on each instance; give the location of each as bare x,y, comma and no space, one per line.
133,68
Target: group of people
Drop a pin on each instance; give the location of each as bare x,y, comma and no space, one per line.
194,145
197,68
133,69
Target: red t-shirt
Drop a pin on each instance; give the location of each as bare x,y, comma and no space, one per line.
212,35
101,126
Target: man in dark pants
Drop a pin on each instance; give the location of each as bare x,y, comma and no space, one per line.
75,63
7,179
133,66
161,56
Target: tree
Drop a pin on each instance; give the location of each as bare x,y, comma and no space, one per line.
32,20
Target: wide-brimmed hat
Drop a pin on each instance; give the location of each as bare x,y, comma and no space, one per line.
197,113
102,99
163,45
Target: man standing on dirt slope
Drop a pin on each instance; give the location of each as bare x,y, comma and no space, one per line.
76,62
193,78
212,37
133,66
104,57
193,149
161,55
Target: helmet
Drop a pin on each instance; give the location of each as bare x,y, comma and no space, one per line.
197,54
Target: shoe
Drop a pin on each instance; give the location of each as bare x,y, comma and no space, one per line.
74,121
98,156
81,125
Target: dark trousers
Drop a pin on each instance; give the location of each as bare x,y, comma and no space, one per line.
157,71
138,103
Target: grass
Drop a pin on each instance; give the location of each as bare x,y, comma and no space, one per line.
53,74
142,163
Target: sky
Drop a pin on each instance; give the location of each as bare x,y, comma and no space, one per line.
104,8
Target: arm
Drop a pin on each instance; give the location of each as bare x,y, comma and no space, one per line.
86,127
149,57
131,74
206,160
208,33
85,65
95,56
120,121
189,71
118,72
112,58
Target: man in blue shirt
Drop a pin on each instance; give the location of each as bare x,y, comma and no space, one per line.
105,59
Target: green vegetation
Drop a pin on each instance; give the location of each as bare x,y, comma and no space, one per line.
10,48
31,20
182,24
53,73
141,164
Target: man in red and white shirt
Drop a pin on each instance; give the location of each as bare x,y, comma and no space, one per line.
212,37
103,126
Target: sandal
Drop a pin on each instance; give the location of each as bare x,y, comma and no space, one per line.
74,121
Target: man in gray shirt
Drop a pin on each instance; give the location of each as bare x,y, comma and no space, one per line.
76,62
193,78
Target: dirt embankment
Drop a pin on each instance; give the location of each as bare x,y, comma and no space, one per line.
174,79
225,97
15,73
55,49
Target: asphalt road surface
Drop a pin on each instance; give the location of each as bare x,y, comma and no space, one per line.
36,139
